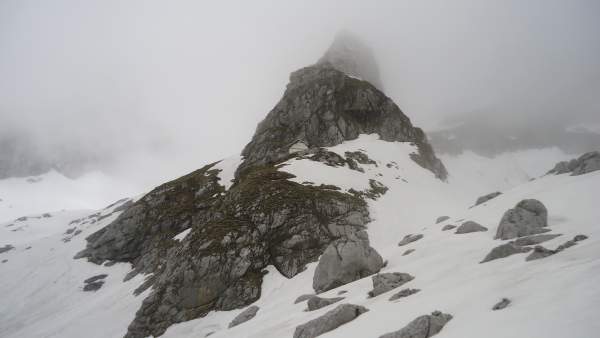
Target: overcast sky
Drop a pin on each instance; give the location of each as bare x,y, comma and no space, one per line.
189,80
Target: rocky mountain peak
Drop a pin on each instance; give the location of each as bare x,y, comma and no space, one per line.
352,56
324,105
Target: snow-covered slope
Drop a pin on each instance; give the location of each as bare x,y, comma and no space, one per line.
552,297
53,191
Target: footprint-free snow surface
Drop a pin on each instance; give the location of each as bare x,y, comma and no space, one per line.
42,286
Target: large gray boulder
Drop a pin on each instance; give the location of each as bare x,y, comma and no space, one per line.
345,261
422,327
470,226
331,320
384,282
244,316
528,217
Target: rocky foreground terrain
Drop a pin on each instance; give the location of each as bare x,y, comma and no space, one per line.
337,220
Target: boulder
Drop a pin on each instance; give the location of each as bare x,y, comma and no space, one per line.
384,282
485,198
410,238
422,327
501,304
345,261
6,248
95,278
315,302
441,219
528,217
331,320
448,227
244,316
504,250
539,252
404,293
470,226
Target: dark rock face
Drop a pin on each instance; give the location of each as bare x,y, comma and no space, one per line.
487,197
94,283
345,261
586,163
441,219
501,304
331,320
315,302
528,217
384,282
404,293
422,327
504,250
410,238
245,316
470,226
323,107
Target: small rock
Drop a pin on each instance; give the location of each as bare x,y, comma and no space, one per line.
470,226
408,252
331,320
315,302
95,278
341,292
244,316
487,197
501,304
539,252
448,227
580,238
410,238
6,248
503,251
535,239
404,293
384,282
94,286
4,260
302,298
422,327
441,219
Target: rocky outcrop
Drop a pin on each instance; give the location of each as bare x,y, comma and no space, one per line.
345,261
441,219
94,283
504,250
448,227
535,239
6,248
303,298
487,197
384,282
541,252
409,239
244,316
331,320
586,163
322,107
470,226
316,302
422,327
528,217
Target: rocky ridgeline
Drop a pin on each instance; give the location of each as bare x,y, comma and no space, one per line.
584,164
263,218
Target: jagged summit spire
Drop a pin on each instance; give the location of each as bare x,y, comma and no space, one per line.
350,55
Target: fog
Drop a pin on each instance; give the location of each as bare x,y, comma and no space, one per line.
153,89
